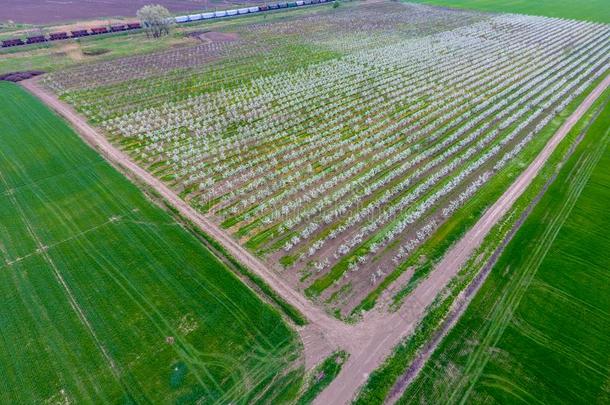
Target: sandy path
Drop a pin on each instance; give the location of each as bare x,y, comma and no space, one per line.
371,340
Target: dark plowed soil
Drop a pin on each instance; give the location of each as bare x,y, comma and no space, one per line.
53,11
19,76
214,36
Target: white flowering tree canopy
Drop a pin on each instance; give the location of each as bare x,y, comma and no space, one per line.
156,19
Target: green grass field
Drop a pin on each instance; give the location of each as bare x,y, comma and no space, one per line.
538,331
105,298
589,10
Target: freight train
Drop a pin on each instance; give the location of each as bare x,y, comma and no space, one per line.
58,36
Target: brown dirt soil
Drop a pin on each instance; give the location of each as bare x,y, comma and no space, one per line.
214,36
72,50
19,76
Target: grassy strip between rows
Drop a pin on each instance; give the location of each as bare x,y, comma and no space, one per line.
423,259
322,376
289,310
383,379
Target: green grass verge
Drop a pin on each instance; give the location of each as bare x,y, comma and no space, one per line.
538,328
289,310
590,10
105,297
322,376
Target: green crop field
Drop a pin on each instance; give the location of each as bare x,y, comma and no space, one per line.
539,328
105,298
590,10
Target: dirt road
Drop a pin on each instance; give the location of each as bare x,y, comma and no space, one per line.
371,340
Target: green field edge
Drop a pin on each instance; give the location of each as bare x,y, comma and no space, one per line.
590,10
322,375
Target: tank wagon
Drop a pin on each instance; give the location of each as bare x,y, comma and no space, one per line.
58,36
79,33
118,28
35,39
12,42
246,10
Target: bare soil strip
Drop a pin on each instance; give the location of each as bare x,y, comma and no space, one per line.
371,340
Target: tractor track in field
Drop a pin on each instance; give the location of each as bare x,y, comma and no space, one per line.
370,341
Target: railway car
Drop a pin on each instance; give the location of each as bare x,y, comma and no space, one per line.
306,2
79,33
273,6
182,19
54,36
243,10
195,17
134,26
99,30
221,13
300,3
254,9
35,39
282,5
207,16
12,42
118,28
315,1
232,12
263,7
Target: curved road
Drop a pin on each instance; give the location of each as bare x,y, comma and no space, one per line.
371,340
